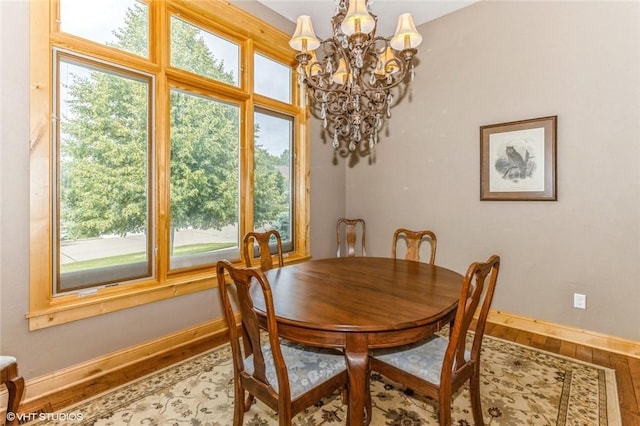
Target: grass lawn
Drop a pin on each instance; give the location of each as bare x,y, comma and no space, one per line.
140,257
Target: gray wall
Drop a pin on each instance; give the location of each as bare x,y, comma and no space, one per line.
496,62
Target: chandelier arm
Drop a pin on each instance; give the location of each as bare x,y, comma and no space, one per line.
313,84
329,48
402,62
396,81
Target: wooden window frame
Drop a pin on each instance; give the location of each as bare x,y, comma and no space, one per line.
134,271
253,35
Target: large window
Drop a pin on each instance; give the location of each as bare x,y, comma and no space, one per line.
102,144
163,131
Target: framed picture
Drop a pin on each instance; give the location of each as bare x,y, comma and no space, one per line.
518,160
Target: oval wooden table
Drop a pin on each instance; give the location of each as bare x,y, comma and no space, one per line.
361,303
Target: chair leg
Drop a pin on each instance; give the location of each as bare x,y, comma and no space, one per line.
444,406
476,406
284,415
15,388
368,405
238,406
248,402
444,413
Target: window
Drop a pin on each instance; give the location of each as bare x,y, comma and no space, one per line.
159,143
272,78
205,143
201,52
272,174
102,143
106,23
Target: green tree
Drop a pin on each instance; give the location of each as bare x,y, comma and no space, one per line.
284,159
204,162
104,151
271,189
103,155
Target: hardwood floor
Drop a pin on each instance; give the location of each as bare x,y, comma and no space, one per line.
627,371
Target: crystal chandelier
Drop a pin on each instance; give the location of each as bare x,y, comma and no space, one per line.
349,76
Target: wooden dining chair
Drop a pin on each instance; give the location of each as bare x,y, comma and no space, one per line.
15,386
414,239
347,233
439,366
286,376
263,239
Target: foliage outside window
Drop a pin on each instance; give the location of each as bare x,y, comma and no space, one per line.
159,153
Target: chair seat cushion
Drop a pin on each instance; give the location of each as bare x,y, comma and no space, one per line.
6,361
423,360
307,366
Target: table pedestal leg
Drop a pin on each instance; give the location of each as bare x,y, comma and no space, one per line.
357,355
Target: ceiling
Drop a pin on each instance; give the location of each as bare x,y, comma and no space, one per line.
321,12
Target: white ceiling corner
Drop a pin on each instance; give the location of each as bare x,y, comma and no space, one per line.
387,11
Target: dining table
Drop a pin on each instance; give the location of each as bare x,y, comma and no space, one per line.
357,304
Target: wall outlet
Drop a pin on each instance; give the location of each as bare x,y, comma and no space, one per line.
579,301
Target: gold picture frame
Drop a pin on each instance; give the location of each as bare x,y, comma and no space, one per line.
518,160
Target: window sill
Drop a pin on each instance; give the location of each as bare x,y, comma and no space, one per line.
73,308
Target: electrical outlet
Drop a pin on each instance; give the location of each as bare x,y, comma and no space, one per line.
579,301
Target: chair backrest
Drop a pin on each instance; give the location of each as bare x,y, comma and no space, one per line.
347,233
478,287
256,382
414,240
263,239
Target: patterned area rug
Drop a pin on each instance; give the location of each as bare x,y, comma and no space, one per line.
519,386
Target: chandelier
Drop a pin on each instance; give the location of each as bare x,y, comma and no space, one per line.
349,76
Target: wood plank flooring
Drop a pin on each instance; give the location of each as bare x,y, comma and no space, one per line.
627,371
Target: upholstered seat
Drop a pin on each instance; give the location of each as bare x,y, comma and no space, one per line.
423,360
6,361
307,368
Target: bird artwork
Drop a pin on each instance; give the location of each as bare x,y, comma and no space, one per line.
514,166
